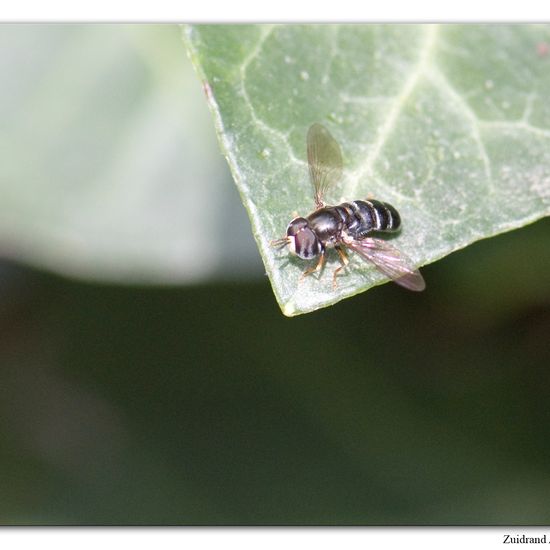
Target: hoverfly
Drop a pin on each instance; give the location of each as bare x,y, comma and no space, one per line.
348,225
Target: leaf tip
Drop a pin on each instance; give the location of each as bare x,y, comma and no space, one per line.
289,309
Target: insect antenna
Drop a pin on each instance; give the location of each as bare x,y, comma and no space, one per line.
279,243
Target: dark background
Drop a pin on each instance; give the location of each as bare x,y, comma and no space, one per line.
205,405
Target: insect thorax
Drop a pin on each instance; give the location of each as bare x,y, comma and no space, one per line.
328,223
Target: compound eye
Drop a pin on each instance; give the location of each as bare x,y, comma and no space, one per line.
307,244
295,226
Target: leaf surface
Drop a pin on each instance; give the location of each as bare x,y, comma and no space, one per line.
449,123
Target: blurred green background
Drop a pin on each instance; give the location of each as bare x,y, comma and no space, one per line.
162,385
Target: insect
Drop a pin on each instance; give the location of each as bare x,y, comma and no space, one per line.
347,226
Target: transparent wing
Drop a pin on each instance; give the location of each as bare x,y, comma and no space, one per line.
390,262
325,160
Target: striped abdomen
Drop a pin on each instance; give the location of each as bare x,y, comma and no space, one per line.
362,217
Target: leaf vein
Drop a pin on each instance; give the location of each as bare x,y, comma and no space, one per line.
441,80
393,114
257,120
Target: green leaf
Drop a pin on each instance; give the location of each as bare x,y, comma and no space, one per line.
449,123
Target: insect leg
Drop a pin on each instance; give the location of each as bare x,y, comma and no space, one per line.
343,257
318,267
